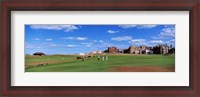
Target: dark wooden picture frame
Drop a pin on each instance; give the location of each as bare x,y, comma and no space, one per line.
193,90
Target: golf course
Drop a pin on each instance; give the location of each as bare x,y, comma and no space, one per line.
110,63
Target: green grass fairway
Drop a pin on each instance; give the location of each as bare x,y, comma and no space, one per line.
69,63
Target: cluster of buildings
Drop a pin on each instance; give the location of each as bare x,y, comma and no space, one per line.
158,49
97,52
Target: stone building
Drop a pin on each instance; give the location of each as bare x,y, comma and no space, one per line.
134,50
161,49
158,49
112,50
138,50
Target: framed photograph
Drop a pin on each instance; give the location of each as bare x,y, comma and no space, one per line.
139,48
116,48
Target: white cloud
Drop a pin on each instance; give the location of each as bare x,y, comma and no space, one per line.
86,43
112,31
100,40
158,37
171,42
66,28
28,45
122,38
74,38
168,31
70,46
127,26
81,38
52,45
138,42
48,39
122,46
105,45
67,38
94,41
155,41
36,39
138,26
146,26
40,45
161,37
47,44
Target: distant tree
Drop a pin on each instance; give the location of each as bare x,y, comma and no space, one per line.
39,53
171,46
105,51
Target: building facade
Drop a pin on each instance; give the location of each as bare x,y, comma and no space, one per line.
112,50
161,49
158,49
138,50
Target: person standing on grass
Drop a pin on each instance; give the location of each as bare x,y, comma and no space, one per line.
106,58
103,58
98,58
83,58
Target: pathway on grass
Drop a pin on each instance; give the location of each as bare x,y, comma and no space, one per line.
141,69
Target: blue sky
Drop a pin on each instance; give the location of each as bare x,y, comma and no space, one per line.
70,39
